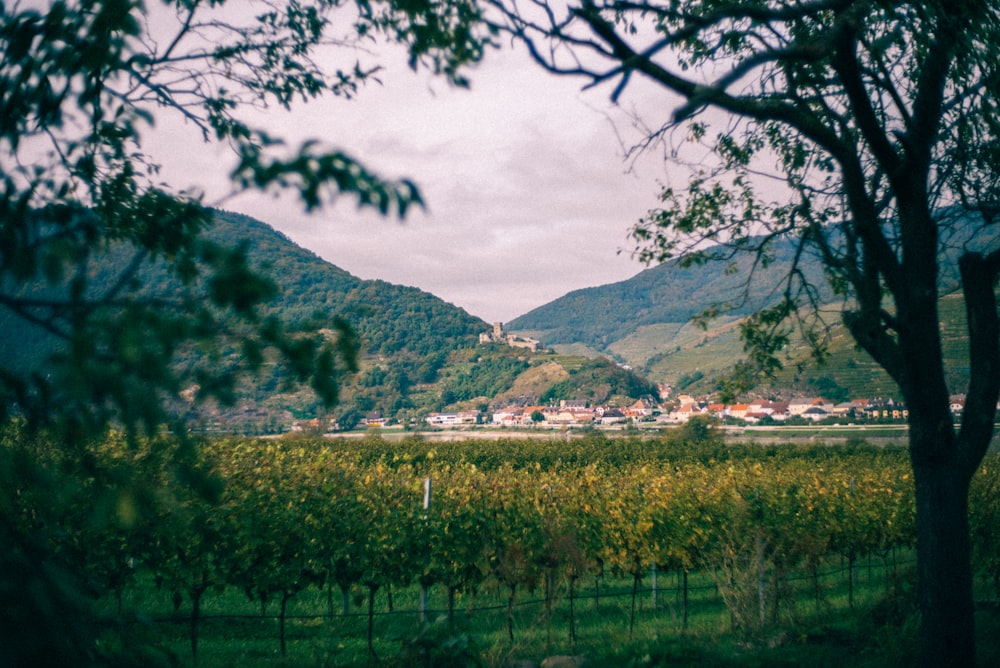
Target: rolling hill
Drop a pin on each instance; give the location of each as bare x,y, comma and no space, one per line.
663,295
647,323
418,353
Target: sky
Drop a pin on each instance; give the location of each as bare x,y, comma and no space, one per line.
528,192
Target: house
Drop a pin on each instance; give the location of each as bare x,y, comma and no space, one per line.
460,419
570,416
469,417
581,416
800,406
682,413
738,411
886,409
375,419
779,410
508,417
612,416
814,413
844,409
528,420
640,409
314,425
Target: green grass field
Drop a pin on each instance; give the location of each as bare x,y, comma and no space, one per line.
814,625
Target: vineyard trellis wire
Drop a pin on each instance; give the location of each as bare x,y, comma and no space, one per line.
296,516
477,615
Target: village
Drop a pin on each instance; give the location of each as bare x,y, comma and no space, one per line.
664,410
680,410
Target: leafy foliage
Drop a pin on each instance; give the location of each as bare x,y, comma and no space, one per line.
81,84
488,376
86,227
881,123
308,513
598,381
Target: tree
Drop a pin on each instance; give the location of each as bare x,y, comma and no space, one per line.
85,220
86,227
878,125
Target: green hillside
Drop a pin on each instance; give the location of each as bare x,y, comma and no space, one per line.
692,359
646,322
603,316
418,353
852,369
390,319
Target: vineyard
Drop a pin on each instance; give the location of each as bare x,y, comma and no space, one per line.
450,530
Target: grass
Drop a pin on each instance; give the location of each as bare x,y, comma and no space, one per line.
880,629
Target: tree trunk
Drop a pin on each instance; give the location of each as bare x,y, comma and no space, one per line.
852,569
943,461
196,594
761,580
510,613
281,622
947,633
549,584
684,600
451,605
654,577
943,465
814,567
572,615
345,599
635,594
372,588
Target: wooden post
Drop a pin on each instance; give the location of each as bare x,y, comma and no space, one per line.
423,586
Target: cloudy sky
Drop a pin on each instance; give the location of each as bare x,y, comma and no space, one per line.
528,192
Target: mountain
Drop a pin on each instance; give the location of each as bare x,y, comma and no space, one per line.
648,323
650,314
418,353
668,293
390,319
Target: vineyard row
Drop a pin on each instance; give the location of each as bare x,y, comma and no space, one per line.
272,518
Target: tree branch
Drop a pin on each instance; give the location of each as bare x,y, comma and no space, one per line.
979,279
846,64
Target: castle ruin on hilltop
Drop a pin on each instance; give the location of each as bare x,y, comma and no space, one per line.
498,335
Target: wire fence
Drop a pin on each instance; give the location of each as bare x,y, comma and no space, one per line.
701,588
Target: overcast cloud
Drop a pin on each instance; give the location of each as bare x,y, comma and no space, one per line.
527,190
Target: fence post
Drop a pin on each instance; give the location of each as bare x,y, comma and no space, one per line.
423,585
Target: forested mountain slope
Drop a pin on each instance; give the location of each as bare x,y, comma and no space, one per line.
418,353
389,318
667,293
646,321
